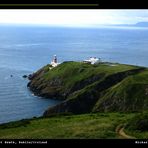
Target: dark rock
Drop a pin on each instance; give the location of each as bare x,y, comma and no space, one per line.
31,76
28,85
25,76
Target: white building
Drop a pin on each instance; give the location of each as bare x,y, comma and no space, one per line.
54,62
92,60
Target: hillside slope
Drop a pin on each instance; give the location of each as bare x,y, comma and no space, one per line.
86,88
86,126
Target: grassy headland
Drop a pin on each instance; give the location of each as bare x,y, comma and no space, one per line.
86,88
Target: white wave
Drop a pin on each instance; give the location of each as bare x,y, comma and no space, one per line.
20,45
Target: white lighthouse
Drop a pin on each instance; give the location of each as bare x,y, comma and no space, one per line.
54,62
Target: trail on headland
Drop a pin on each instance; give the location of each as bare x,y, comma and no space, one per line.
120,132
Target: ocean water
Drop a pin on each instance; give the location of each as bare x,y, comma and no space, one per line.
16,101
25,49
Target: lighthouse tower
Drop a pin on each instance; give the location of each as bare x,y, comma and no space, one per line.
55,59
54,62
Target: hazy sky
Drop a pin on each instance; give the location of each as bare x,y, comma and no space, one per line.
73,17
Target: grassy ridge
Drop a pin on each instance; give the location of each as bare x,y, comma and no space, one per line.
131,94
96,126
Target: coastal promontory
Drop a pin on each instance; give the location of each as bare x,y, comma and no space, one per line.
85,88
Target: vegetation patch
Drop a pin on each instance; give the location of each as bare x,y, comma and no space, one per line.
139,122
23,122
85,126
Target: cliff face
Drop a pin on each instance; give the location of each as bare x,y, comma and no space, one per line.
88,88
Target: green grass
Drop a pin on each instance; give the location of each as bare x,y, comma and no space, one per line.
131,94
138,125
100,87
137,134
72,68
69,75
72,72
96,126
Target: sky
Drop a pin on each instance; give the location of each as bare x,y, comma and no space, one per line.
73,17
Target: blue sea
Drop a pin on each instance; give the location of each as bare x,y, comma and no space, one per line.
25,49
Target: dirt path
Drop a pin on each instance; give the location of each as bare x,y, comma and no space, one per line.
122,134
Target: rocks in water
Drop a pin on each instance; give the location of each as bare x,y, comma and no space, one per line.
30,76
28,85
25,76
